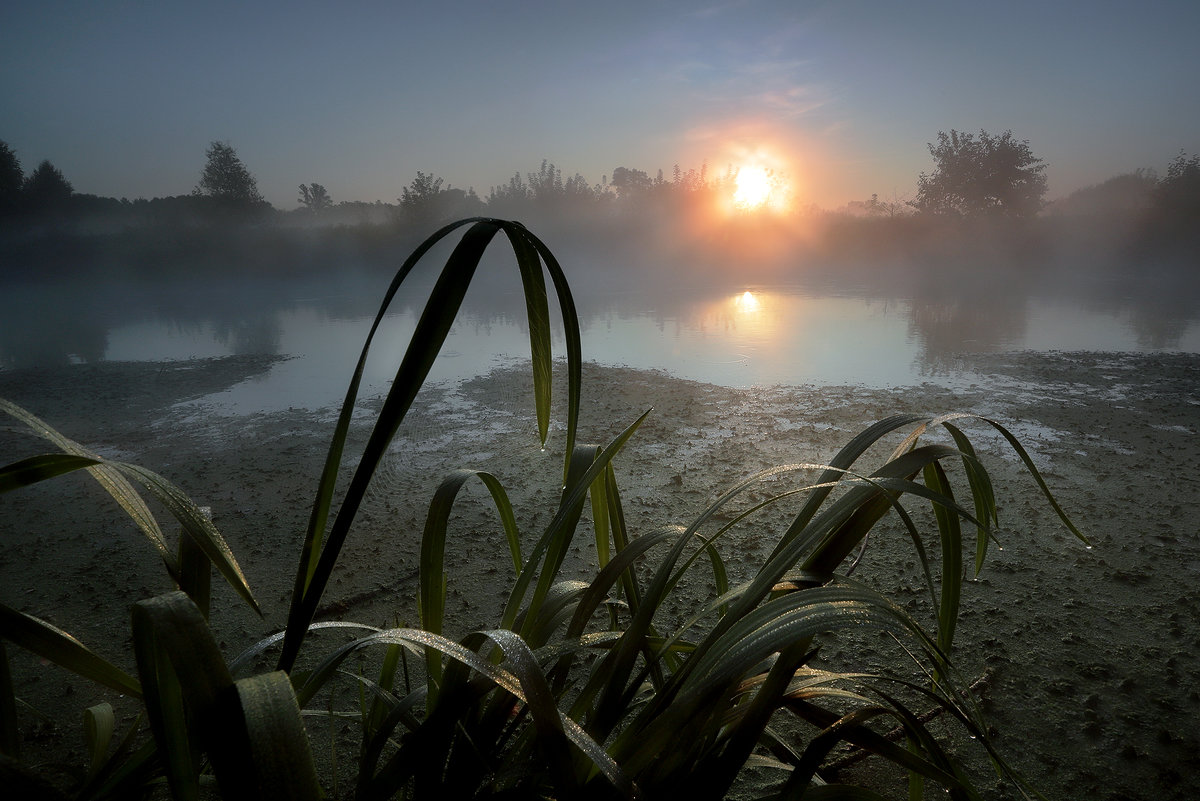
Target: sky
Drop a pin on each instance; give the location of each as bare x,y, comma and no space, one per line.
124,96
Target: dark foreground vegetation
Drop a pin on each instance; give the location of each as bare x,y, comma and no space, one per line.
583,688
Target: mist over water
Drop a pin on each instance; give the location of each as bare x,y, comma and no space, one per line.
781,313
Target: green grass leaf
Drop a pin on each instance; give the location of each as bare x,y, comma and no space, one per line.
264,751
57,646
107,475
40,468
118,478
10,737
99,722
320,551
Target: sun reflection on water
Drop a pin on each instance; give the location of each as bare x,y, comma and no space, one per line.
747,302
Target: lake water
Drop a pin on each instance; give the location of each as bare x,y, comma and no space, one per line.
735,335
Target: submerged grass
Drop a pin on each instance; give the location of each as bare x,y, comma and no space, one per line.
582,689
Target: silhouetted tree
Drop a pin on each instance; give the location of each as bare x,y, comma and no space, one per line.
629,182
1127,196
1176,206
984,176
1179,191
546,185
226,179
453,202
577,190
418,200
510,197
314,198
422,189
46,190
690,181
12,179
424,203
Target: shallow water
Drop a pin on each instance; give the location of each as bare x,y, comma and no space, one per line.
734,335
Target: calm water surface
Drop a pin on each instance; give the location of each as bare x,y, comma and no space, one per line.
734,336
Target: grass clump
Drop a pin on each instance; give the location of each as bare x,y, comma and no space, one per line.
581,689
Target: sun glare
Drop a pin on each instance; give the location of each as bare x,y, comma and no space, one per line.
754,185
747,302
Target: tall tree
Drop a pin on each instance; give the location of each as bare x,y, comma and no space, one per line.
12,179
511,197
984,176
420,201
1177,203
546,185
314,198
226,179
46,189
1179,191
629,182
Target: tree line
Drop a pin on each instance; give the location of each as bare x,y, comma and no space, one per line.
974,176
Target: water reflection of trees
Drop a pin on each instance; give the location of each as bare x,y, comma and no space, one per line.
249,336
44,329
952,311
34,337
1159,304
49,325
947,328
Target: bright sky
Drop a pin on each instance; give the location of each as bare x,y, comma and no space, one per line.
124,96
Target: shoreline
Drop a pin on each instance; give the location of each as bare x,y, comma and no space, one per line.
1094,674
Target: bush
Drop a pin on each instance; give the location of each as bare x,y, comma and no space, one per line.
582,689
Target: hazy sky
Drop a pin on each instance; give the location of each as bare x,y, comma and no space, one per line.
125,96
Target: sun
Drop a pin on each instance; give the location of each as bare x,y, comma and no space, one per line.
754,187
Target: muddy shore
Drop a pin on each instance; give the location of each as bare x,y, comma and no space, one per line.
1092,655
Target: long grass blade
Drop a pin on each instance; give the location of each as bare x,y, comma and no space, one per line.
1027,460
570,320
265,752
871,741
563,523
10,735
840,463
982,493
106,475
950,533
99,722
197,525
125,773
317,558
116,478
57,646
178,658
314,538
40,468
324,498
538,316
195,571
387,677
417,641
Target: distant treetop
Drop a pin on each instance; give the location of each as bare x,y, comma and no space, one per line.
988,176
226,179
46,189
12,178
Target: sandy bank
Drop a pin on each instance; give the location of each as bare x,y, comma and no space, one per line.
1092,654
